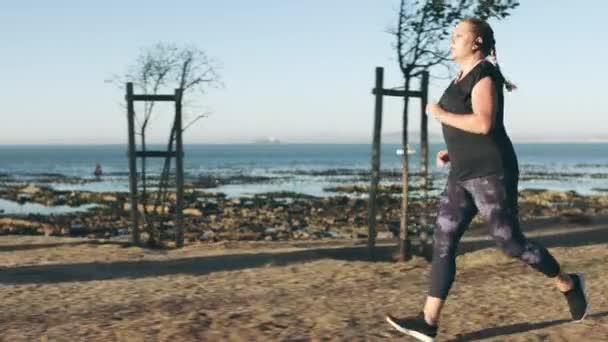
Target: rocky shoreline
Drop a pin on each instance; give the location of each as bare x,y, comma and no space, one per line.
282,216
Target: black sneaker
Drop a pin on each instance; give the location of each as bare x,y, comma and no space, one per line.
416,327
577,298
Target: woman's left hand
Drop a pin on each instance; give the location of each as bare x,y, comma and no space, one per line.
435,110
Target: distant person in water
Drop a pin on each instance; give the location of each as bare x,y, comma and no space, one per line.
98,172
483,179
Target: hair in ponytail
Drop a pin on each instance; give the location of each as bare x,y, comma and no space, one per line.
488,46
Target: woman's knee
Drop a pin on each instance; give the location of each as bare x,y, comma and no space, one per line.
446,225
445,237
510,246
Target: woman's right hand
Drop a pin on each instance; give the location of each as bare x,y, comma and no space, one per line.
442,158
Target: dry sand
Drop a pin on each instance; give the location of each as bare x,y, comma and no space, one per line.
57,289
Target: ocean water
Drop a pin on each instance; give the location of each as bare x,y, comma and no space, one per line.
565,166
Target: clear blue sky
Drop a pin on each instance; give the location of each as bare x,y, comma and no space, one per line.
296,70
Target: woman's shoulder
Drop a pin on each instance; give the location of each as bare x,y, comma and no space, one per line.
487,68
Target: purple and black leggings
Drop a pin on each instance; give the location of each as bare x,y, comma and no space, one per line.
495,198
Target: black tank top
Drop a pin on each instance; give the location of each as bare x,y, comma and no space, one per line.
477,155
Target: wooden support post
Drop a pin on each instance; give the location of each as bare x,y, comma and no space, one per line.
405,242
132,166
166,98
424,147
397,93
179,165
378,91
371,236
155,154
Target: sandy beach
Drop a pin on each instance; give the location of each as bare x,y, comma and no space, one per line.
67,289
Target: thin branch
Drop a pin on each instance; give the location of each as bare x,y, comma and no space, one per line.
195,120
443,56
400,36
418,36
423,26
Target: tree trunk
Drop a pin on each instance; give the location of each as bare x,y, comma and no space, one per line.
147,223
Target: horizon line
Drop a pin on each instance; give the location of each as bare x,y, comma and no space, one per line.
515,141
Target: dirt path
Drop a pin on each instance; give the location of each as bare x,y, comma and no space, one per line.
49,293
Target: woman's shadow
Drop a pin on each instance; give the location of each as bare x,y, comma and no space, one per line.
516,328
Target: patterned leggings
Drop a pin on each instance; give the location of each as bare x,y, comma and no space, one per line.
495,198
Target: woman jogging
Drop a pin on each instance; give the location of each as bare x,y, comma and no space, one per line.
483,178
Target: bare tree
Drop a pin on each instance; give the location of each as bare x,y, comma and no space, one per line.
163,68
422,29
